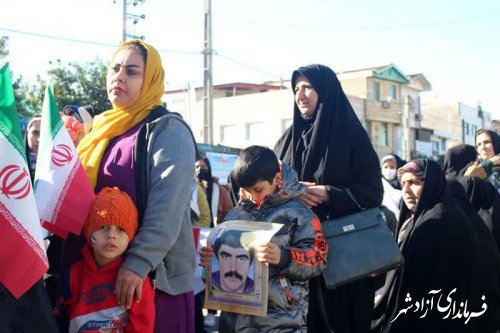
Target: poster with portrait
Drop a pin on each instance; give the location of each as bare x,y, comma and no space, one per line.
235,280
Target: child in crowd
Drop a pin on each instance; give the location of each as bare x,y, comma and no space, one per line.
88,301
296,253
78,121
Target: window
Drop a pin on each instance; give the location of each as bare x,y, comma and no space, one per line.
383,138
391,93
466,128
435,148
228,133
375,91
443,145
285,123
254,130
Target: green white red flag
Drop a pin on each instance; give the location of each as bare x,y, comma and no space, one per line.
22,251
62,190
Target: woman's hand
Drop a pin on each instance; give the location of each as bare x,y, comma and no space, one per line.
314,195
268,253
476,170
206,254
128,287
495,159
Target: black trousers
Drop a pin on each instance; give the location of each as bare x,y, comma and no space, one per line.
348,308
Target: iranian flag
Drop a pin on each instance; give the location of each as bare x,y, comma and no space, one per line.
22,251
62,190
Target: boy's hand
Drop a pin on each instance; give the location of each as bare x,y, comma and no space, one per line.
128,286
268,253
206,254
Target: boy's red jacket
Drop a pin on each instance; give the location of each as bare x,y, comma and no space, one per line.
88,302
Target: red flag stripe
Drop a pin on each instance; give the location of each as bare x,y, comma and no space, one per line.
18,227
75,200
17,243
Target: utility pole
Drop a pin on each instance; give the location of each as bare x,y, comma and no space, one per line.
124,22
406,129
126,16
208,135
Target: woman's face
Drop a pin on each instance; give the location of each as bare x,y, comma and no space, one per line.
306,97
484,146
34,135
125,78
389,164
412,188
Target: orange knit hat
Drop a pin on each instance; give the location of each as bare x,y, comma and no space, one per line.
112,207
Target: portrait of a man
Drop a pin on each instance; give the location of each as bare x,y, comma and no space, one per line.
234,253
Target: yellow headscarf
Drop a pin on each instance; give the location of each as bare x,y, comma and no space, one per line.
117,121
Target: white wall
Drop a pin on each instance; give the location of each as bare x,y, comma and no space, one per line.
472,123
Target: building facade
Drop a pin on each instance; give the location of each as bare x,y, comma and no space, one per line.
451,124
387,101
392,108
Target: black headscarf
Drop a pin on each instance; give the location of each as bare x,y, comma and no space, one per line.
210,183
481,194
431,194
332,147
458,159
441,251
399,161
495,139
208,178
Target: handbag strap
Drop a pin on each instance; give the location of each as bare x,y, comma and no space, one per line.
349,193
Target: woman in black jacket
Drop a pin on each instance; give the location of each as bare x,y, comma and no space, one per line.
331,151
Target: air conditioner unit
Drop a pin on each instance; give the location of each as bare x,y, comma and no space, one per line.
386,105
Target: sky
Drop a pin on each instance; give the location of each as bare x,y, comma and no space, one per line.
454,43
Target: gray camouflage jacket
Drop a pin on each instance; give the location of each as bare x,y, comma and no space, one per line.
303,256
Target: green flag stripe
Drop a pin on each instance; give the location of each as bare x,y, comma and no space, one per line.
9,121
52,111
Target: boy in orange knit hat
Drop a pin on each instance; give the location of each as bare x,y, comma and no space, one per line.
88,302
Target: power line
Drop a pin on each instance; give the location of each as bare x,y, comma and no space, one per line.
58,37
246,65
82,41
103,44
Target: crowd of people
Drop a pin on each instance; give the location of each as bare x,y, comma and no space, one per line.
132,268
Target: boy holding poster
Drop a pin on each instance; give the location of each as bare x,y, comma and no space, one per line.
296,253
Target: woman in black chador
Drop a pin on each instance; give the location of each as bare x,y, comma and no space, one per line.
481,193
331,151
440,277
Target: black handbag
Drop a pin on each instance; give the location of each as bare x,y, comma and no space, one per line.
360,245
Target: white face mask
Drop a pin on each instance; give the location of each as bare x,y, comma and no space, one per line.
389,174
